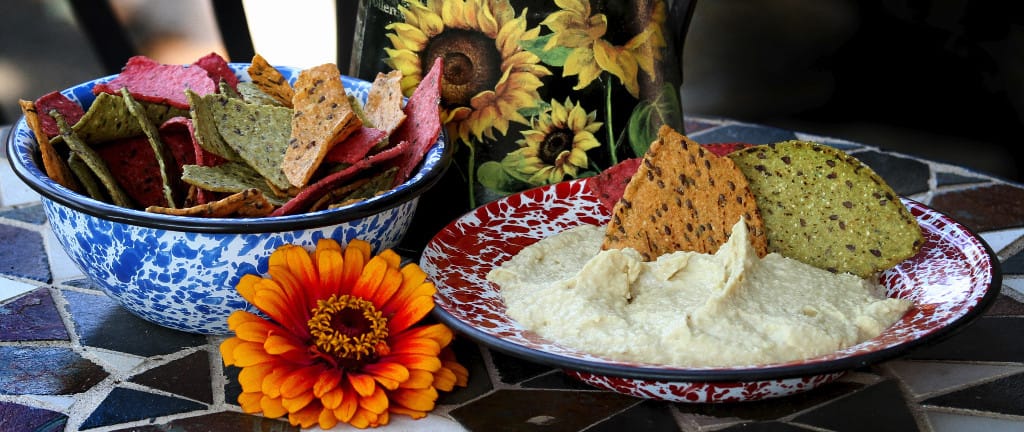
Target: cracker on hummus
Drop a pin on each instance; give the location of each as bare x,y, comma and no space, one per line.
683,198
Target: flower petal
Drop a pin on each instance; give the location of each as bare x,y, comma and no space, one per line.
249,353
298,403
376,403
421,346
246,286
278,344
391,283
363,384
349,405
389,375
417,399
272,407
411,313
329,264
415,361
370,278
418,379
300,381
327,381
251,378
227,350
306,417
326,420
250,402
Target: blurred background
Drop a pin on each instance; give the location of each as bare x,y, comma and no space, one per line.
941,79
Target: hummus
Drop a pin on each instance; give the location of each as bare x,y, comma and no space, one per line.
688,309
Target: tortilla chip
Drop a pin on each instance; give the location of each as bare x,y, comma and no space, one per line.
270,81
825,208
217,69
322,118
93,161
134,167
207,135
383,108
164,159
683,198
150,81
422,126
310,194
228,177
225,207
259,134
722,149
105,119
252,94
86,178
611,183
53,163
56,100
356,146
335,195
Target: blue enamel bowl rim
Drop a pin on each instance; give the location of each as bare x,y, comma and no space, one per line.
27,167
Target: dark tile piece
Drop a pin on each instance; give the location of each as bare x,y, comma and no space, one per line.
46,371
772,409
14,417
987,339
222,421
232,388
1005,306
102,323
31,214
538,410
881,408
984,208
31,317
1003,396
1014,264
513,369
124,405
906,176
752,134
468,354
647,416
556,380
188,376
765,427
946,179
23,254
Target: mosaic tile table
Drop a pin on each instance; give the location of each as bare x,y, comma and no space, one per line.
71,359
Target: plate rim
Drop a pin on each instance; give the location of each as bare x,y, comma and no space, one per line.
717,374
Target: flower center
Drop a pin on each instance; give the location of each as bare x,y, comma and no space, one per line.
555,142
471,64
347,327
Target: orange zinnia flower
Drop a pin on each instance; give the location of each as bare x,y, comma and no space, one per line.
341,344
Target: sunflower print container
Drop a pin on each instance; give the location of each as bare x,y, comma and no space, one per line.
533,92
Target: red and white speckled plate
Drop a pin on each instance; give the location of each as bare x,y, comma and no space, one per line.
951,280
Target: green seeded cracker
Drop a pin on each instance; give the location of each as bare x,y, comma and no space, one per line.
228,177
270,80
205,124
322,118
251,93
825,208
257,133
93,161
682,198
164,158
108,118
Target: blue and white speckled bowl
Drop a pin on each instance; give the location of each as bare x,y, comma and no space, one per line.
180,272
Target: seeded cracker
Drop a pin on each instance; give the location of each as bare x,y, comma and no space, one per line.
683,198
205,124
258,133
270,80
384,102
827,209
322,117
93,161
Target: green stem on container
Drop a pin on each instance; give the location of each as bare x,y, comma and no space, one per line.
472,173
608,121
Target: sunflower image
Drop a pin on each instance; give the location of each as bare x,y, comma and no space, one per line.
555,147
575,28
341,344
488,77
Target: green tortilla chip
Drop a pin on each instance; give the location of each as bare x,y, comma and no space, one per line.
225,89
86,178
825,208
253,94
378,183
106,119
164,158
206,126
259,134
93,161
228,177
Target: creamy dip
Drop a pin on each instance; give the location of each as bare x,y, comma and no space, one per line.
688,309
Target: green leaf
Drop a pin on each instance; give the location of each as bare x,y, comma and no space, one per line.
552,57
648,116
492,176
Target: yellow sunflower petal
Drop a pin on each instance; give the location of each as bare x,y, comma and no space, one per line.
581,63
250,402
363,384
251,378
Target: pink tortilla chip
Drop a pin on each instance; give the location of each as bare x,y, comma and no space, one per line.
71,111
176,134
217,68
355,146
135,168
422,124
611,183
722,149
150,81
389,153
311,193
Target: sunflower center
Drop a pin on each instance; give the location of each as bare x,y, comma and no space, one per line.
555,142
347,327
472,64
